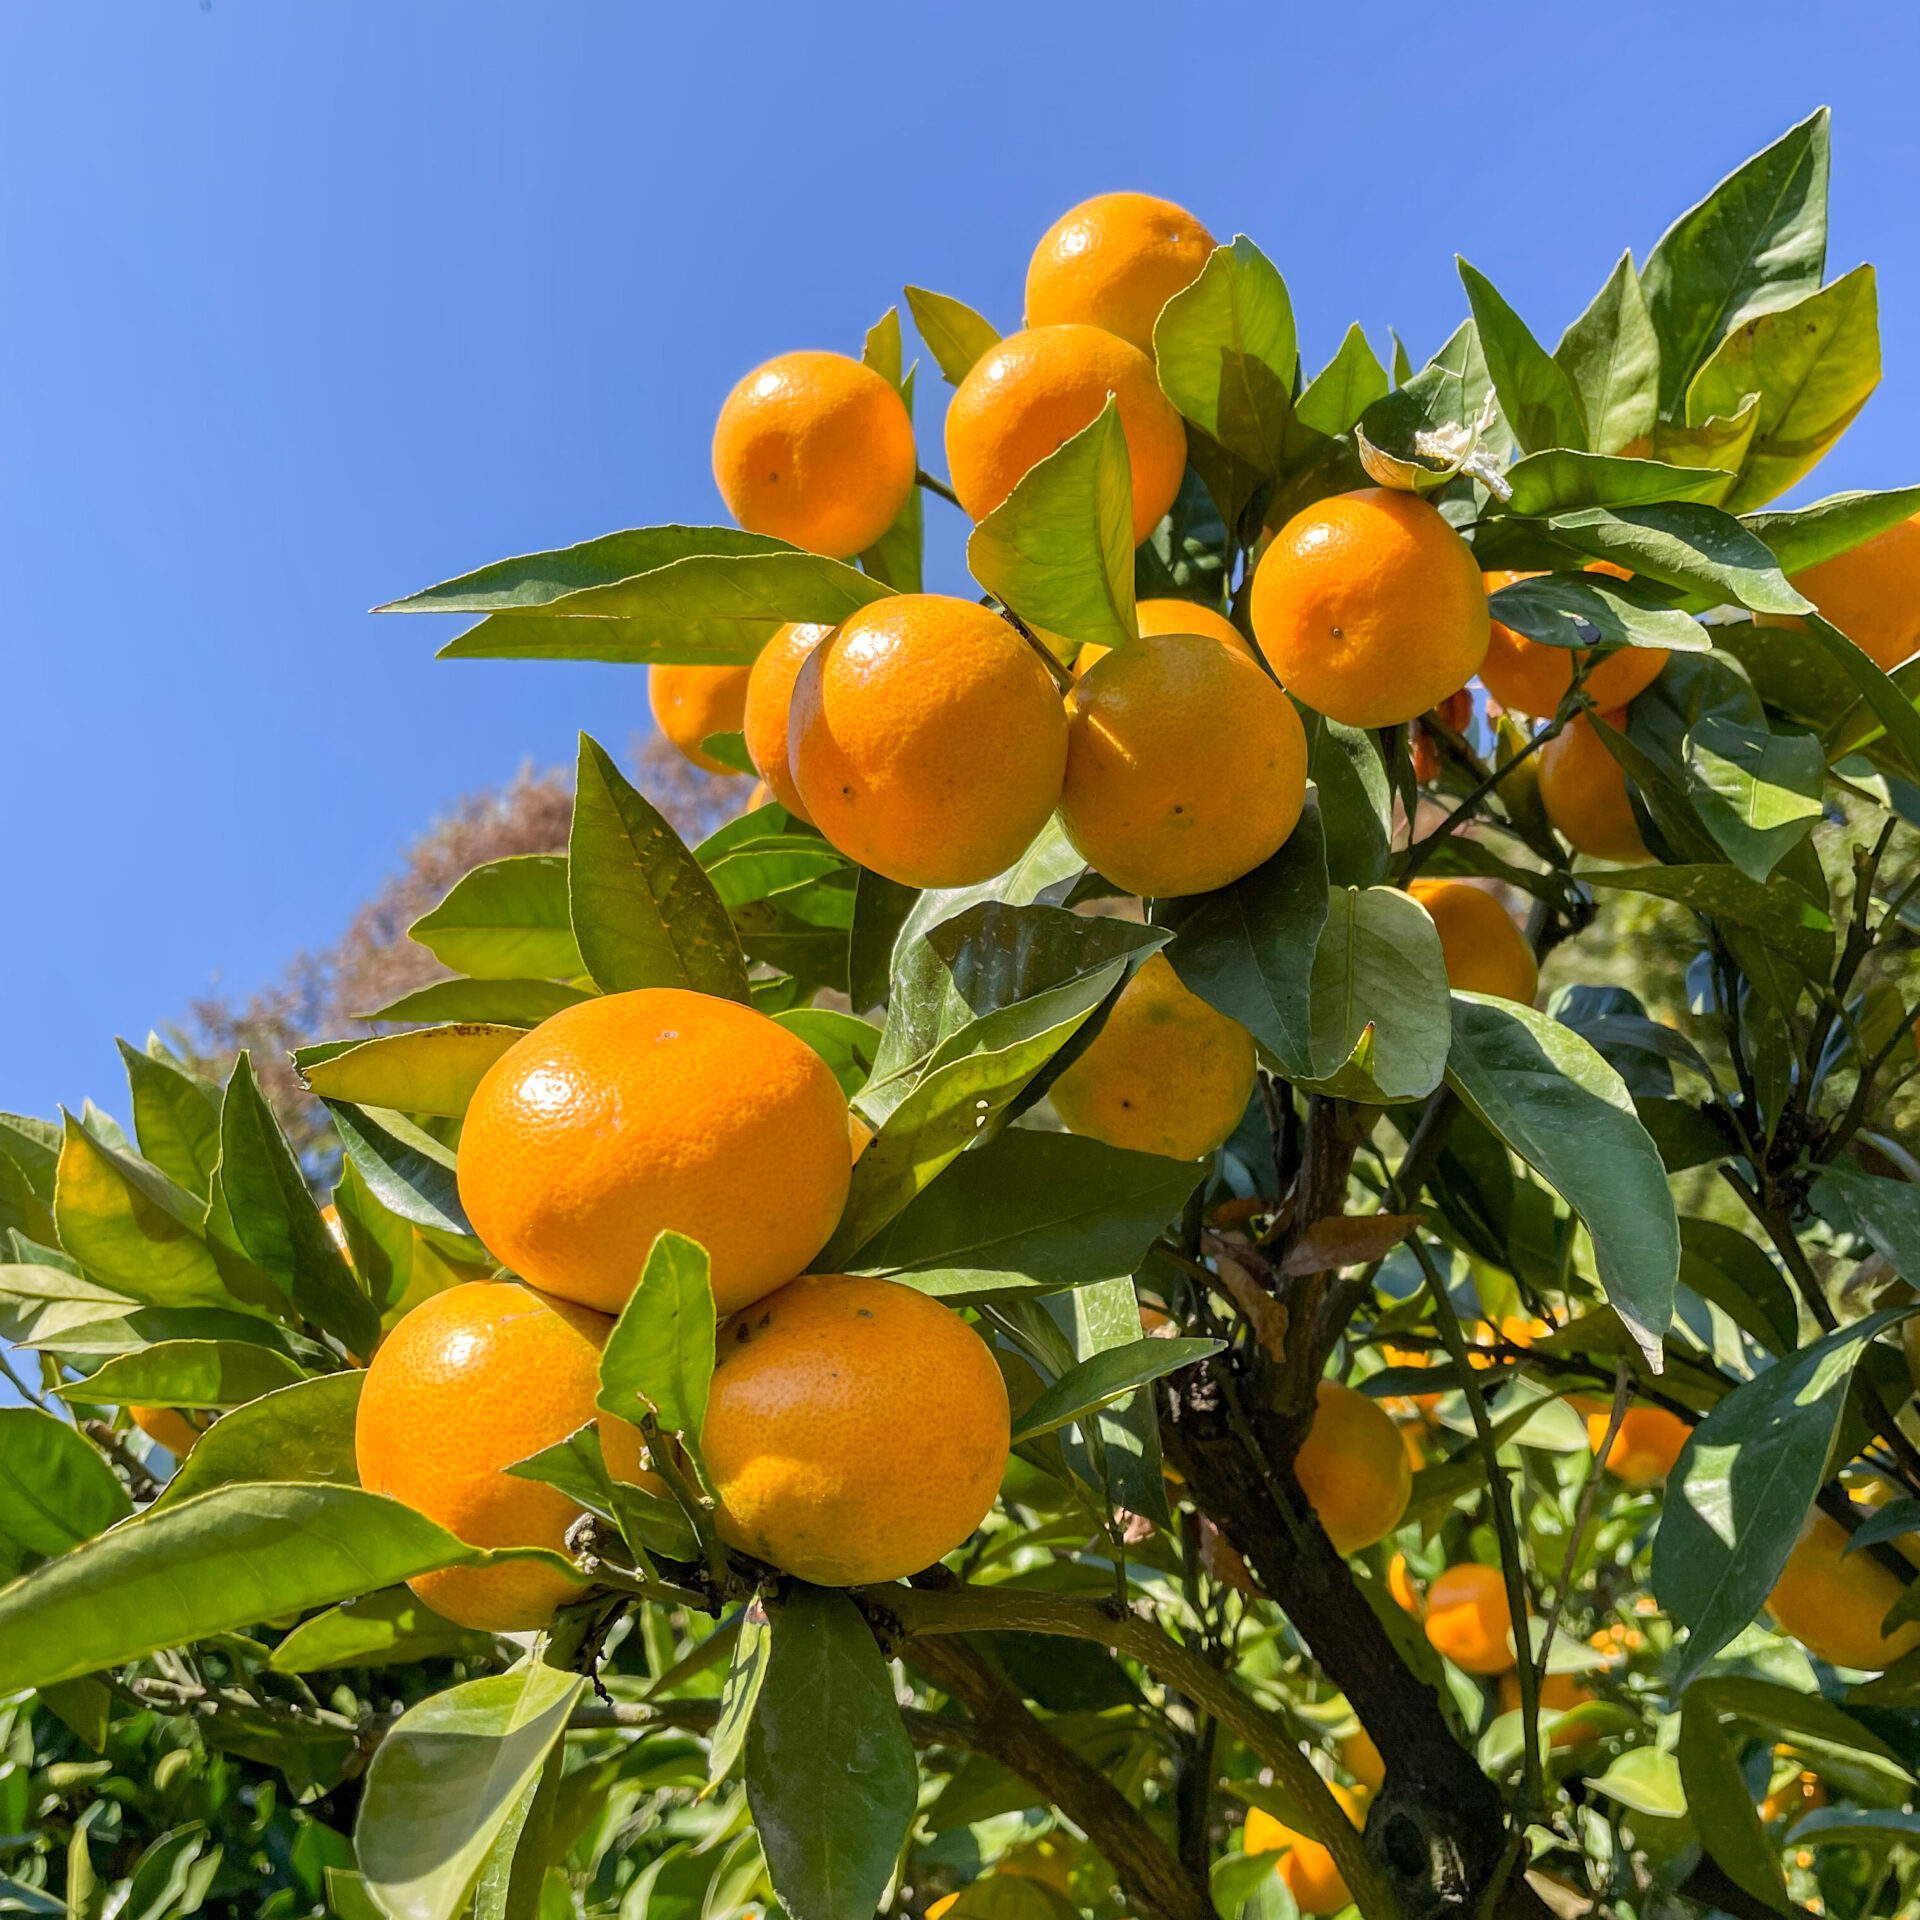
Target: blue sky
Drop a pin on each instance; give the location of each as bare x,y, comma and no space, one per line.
304,307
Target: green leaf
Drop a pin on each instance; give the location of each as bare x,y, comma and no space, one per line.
222,1560
659,1357
843,1040
1801,537
34,1146
1742,1486
644,913
1611,358
55,1490
1775,910
1106,1376
507,1003
1722,1807
1646,1780
1030,1212
1535,393
1573,609
1248,949
1545,1092
1051,860
746,1674
187,1373
407,1171
1817,1727
1059,549
1344,388
41,1303
1892,708
1722,1265
830,1772
1700,549
21,1209
175,1117
578,1467
1886,1212
1381,1023
956,336
431,1070
1356,808
730,749
276,1222
505,920
302,1432
1760,793
446,1779
385,1629
1813,364
882,351
1560,480
1757,242
1719,443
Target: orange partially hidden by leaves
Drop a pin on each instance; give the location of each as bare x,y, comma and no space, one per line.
1559,1693
1645,1448
1406,1596
927,740
1114,261
1468,1619
1353,1467
816,449
1833,1605
769,706
1172,616
1584,792
635,1112
469,1382
1306,1868
1370,608
1361,1758
1186,766
1529,677
856,1429
1872,594
1026,397
1484,950
1802,1794
1166,1074
689,703
173,1429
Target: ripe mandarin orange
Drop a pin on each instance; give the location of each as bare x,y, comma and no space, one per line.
1529,677
1186,765
1484,950
1833,1606
1114,261
1172,616
1406,1596
1306,1868
1166,1074
691,702
1559,1693
1872,594
1584,792
1799,1795
169,1426
856,1429
927,740
1362,1759
1645,1448
1468,1619
1370,607
769,704
469,1382
816,449
1353,1467
1028,396
634,1112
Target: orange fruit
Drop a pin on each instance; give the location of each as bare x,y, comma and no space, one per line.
1422,1403
1166,1074
856,1429
1406,1596
1834,1606
1559,1693
469,1382
635,1112
1468,1619
691,702
1306,1868
1484,950
1353,1467
927,740
1872,594
1529,677
1028,396
769,704
1802,1794
1114,261
1584,792
1172,616
1645,1448
173,1429
1361,1758
1370,607
816,449
1186,766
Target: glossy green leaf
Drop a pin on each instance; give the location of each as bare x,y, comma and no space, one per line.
1775,910
431,1070
406,1170
1380,1016
1801,537
844,1041
1612,360
55,1490
446,1779
508,1003
1344,388
1697,548
1546,1093
1106,1376
882,350
41,1302
1759,793
390,1628
746,1674
176,1118
1722,1807
1646,1780
659,1357
1742,1486
222,1560
21,1209
1757,242
1561,480
302,1432
644,913
578,1467
1887,1212
187,1373
1536,395
1050,862
34,1145
956,336
505,920
1573,609
1356,808
830,1772
1722,1265
1058,549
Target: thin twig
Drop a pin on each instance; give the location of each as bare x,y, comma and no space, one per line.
1589,1493
923,478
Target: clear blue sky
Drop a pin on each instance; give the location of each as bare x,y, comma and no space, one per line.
302,307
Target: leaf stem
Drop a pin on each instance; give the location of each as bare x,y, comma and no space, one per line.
696,1506
1583,1513
923,478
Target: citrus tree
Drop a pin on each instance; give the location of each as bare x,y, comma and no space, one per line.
1041,1323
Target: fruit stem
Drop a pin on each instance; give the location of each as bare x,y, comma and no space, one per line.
698,1507
1061,677
923,478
